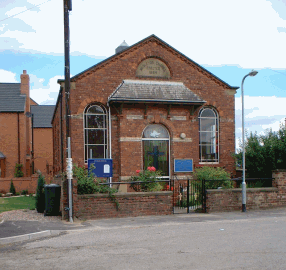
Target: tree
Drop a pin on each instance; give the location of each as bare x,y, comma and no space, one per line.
40,195
12,188
264,153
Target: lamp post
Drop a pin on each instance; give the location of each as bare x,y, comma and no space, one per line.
252,74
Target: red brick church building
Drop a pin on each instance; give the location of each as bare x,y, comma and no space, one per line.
148,104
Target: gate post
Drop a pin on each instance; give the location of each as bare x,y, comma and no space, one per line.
188,196
204,199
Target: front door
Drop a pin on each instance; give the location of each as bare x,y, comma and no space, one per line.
156,148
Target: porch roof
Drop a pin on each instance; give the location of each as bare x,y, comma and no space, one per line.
139,91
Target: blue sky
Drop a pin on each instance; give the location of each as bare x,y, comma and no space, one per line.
228,38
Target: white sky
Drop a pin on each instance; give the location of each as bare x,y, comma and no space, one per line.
244,33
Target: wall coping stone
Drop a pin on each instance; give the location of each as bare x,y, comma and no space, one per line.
279,170
239,190
126,194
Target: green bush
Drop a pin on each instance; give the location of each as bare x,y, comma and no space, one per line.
24,192
12,188
87,184
18,170
40,194
217,177
146,176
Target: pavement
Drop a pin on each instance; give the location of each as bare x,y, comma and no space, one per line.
16,231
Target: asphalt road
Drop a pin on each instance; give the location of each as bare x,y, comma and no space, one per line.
253,240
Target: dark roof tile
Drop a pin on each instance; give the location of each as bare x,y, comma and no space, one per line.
42,115
11,99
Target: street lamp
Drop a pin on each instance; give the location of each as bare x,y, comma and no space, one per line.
252,74
31,115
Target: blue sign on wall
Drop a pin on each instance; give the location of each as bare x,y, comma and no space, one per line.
102,167
183,165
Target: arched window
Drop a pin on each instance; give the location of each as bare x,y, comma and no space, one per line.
95,132
209,146
156,148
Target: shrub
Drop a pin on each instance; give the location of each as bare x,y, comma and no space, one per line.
18,170
87,184
12,188
217,177
24,192
146,176
40,195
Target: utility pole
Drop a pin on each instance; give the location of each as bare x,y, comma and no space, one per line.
67,8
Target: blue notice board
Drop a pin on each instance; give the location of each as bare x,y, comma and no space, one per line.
183,165
102,167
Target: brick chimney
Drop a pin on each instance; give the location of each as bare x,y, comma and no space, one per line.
25,88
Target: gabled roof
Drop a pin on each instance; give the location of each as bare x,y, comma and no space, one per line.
2,156
11,99
43,115
154,91
98,65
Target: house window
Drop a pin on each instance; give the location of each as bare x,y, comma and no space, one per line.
95,132
208,119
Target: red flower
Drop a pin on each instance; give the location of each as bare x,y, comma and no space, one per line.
137,171
151,169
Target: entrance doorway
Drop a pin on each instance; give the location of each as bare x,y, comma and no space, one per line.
156,148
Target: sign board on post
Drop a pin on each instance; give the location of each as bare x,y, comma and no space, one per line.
102,167
183,165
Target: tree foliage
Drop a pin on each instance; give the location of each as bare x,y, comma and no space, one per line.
40,195
12,188
264,153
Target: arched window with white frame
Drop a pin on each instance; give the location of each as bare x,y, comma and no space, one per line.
156,146
209,135
95,132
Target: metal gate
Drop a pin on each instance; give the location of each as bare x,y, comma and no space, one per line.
188,196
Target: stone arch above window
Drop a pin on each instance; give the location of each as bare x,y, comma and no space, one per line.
95,132
153,67
209,135
155,131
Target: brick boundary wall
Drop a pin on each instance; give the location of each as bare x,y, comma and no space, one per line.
131,204
256,198
20,183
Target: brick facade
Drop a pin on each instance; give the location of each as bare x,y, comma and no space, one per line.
128,121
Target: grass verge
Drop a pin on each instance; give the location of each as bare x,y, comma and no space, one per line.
16,203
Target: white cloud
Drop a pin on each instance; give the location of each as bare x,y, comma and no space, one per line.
7,76
226,32
44,94
14,11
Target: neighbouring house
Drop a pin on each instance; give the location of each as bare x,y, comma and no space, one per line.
147,105
43,138
18,141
